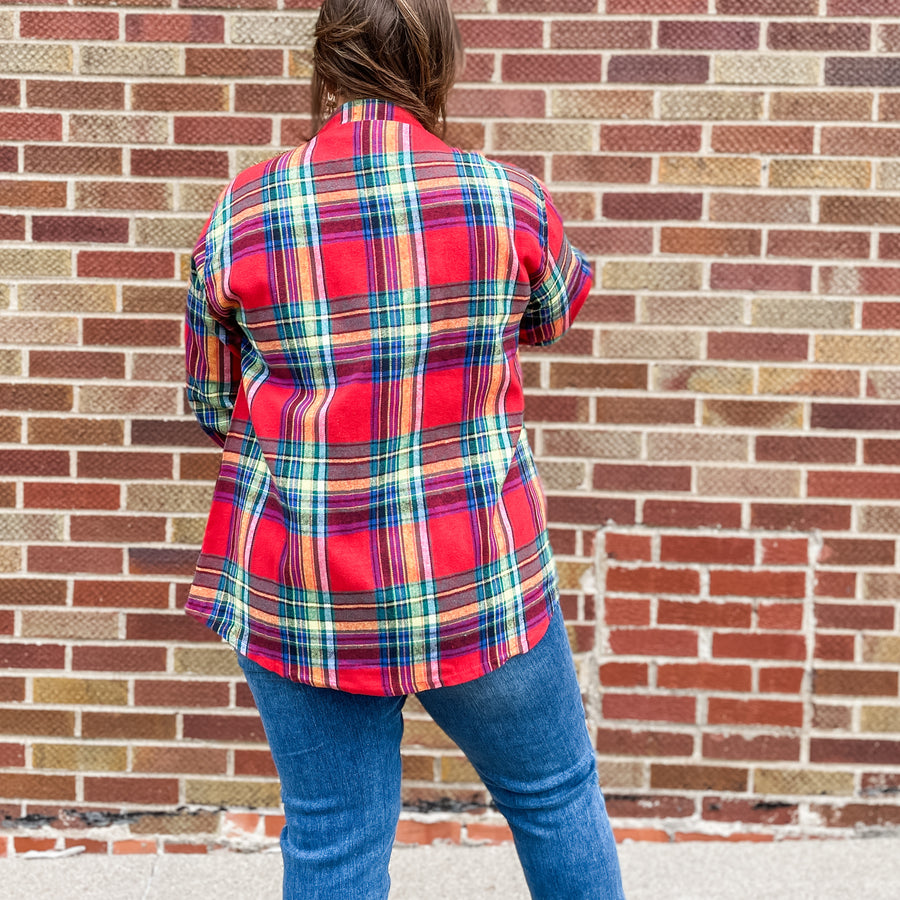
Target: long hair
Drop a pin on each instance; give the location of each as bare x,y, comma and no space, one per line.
407,52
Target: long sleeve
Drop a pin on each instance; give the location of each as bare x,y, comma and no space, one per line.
213,356
559,286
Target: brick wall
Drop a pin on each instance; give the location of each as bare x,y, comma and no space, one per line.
718,434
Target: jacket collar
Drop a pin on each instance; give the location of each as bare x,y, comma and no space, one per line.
371,110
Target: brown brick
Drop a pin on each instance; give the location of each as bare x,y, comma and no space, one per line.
175,163
77,229
59,160
753,414
544,68
772,448
854,70
853,416
191,29
853,750
117,529
855,683
641,478
859,141
34,462
128,195
612,35
116,464
75,431
818,244
70,94
33,592
698,777
711,241
37,786
615,376
222,130
615,138
509,33
166,97
823,36
596,168
32,656
181,760
89,560
747,208
658,69
128,725
46,722
757,277
821,105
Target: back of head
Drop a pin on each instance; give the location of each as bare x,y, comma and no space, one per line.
403,51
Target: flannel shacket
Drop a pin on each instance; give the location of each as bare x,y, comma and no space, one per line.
354,316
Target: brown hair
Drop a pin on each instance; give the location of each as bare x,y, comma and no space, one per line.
405,51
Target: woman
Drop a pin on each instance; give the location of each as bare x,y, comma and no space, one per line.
377,527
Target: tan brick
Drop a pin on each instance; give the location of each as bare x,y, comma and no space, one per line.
40,58
889,176
734,171
122,195
165,232
610,104
881,586
710,105
296,29
812,173
142,298
143,61
679,310
207,661
80,757
198,197
4,296
425,733
188,530
738,68
753,414
27,262
10,559
703,379
858,349
458,768
81,691
572,574
652,276
39,330
250,157
744,482
159,367
190,498
300,63
621,774
562,476
809,382
880,719
804,781
67,297
11,362
816,106
880,519
70,624
418,768
231,792
640,344
881,648
97,398
592,443
699,447
543,136
31,527
777,312
886,385
118,129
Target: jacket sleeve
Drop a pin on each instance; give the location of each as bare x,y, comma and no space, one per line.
559,283
212,347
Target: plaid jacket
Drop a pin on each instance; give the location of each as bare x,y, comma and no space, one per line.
353,321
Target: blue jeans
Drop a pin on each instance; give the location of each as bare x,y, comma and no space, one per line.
522,728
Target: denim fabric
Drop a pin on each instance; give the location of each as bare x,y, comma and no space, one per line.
521,726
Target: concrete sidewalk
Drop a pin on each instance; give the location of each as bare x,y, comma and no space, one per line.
794,870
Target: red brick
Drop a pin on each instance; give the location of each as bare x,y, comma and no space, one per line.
653,642
650,580
222,130
677,548
641,478
878,315
704,614
117,529
858,815
834,647
173,693
835,584
822,36
60,160
624,674
169,27
79,364
608,35
121,594
621,742
888,248
720,809
75,95
32,656
646,707
245,728
12,690
28,126
784,551
141,264
711,241
819,244
12,228
780,616
124,658
858,141
131,331
236,62
34,463
800,517
652,206
762,747
124,465
867,211
880,782
727,711
871,279
658,69
768,139
37,787
644,411
691,514
656,7
704,677
179,163
856,751
650,138
503,33
80,229
140,790
846,416
855,683
854,616
33,591
175,628
757,583
619,611
677,34
543,68
733,645
780,680
775,448
64,495
22,193
758,277
596,168
854,70
95,560
64,26
628,546
254,762
9,92
162,432
858,552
